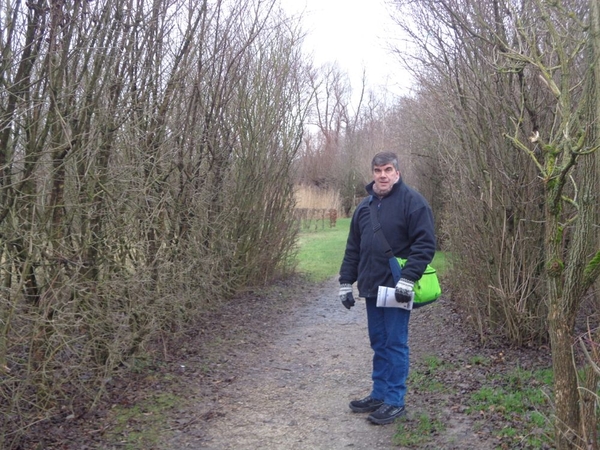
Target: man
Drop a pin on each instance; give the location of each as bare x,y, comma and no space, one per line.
407,223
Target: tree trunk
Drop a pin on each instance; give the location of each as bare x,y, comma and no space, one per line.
561,317
568,418
591,189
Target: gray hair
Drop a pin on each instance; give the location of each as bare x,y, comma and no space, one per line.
383,158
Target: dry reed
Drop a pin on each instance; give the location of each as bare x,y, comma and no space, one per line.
312,197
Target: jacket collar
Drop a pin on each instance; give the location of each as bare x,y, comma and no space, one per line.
395,187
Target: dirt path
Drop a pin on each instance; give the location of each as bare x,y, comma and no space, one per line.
285,383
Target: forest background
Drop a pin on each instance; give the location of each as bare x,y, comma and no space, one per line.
151,153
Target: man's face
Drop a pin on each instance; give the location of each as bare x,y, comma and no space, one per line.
385,176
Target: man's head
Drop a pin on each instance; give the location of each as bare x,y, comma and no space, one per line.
385,172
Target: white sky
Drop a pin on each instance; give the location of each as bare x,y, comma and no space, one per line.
353,33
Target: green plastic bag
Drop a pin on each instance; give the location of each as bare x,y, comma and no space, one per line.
427,289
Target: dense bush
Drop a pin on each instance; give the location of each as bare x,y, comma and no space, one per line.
145,172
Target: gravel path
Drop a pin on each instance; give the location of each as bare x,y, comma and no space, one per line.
289,385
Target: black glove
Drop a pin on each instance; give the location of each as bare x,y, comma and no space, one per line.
346,296
404,291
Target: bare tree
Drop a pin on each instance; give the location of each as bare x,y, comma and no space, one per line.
572,258
518,101
492,206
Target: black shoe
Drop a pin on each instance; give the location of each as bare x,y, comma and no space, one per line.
386,414
367,404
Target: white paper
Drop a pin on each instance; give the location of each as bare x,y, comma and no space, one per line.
386,298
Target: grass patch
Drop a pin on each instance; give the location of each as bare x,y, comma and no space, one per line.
321,252
141,426
515,402
423,382
425,378
433,362
439,263
418,431
479,360
519,400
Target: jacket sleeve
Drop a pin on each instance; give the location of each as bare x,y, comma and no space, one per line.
349,268
423,243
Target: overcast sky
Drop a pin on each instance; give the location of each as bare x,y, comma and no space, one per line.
353,33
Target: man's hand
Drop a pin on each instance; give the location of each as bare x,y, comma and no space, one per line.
404,291
346,296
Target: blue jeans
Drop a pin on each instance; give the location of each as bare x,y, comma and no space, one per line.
388,334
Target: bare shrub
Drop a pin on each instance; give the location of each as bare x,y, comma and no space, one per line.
520,148
144,174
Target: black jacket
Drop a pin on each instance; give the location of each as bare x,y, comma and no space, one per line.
407,223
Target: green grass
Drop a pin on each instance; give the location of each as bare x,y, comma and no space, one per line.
516,402
439,262
141,425
321,251
424,379
479,360
515,392
518,398
433,362
418,431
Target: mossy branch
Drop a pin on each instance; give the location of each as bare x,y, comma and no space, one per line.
520,146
